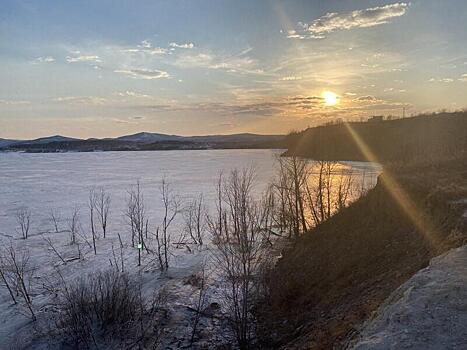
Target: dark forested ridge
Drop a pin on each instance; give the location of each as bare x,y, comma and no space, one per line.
432,136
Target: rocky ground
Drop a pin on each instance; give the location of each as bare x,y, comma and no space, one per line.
429,311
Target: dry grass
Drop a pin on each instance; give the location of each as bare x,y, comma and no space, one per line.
339,273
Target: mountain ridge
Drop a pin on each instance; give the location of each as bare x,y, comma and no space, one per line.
142,141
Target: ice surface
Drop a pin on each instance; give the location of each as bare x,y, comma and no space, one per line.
61,181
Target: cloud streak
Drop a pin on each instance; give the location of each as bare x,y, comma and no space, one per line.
332,21
44,59
182,46
148,74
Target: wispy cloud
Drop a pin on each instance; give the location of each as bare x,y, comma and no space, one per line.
129,93
14,102
76,57
146,47
290,78
148,74
44,59
463,78
82,100
182,46
442,80
332,21
238,63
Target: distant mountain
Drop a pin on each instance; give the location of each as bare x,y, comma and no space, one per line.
150,137
143,141
45,140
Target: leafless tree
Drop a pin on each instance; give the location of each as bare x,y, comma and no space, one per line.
121,252
55,219
171,204
73,225
290,187
240,248
23,218
18,263
136,214
194,217
7,277
103,208
200,303
92,203
328,190
305,194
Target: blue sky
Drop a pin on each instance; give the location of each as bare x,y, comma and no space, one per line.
107,68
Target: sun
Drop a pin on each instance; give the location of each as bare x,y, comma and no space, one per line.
330,98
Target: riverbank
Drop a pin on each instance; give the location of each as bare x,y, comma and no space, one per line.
336,275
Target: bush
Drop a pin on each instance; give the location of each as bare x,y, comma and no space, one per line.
108,308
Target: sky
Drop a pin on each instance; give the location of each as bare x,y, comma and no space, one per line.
105,68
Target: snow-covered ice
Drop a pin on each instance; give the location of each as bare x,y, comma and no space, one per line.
61,181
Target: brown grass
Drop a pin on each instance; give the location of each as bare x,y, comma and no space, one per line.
336,275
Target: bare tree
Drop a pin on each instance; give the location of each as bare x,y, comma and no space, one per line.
240,249
19,265
200,302
290,187
92,208
103,208
6,276
23,218
136,214
55,219
194,217
171,204
305,194
73,225
328,190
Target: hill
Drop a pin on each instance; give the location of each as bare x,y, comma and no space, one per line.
420,137
335,276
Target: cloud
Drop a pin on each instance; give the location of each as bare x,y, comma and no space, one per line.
238,63
146,47
44,59
463,78
332,22
442,80
129,93
14,102
290,78
77,57
365,98
82,100
182,46
148,74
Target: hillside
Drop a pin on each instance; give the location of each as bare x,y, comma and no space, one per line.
336,275
423,137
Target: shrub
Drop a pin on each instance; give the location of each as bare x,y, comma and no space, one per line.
108,308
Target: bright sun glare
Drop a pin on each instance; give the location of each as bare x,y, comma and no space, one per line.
330,98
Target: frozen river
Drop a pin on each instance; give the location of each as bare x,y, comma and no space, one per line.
61,181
